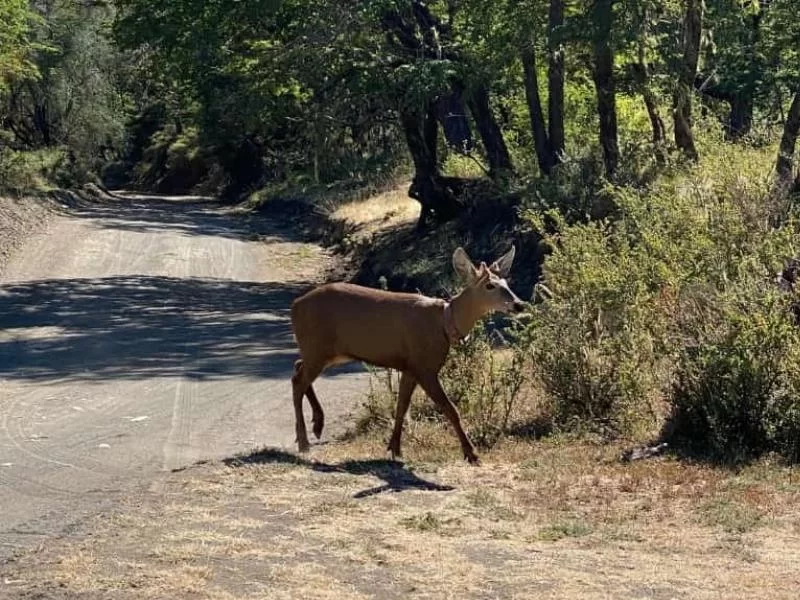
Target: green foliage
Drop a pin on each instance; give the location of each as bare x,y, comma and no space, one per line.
61,89
732,516
33,170
486,386
15,42
564,529
594,345
672,301
737,382
299,85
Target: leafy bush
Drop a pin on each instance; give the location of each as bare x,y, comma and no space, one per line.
33,170
485,385
736,386
672,301
596,343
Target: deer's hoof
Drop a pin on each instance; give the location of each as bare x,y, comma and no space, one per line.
395,454
317,426
473,460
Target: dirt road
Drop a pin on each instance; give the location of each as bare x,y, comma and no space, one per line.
138,337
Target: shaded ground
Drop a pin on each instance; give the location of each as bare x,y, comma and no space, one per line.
543,520
138,326
138,336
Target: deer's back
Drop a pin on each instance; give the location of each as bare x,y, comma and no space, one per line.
383,328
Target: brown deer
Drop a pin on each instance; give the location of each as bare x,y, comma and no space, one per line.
341,322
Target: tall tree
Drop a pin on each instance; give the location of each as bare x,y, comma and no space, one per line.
555,78
492,136
526,29
15,43
541,139
735,70
785,163
74,101
642,71
603,73
682,99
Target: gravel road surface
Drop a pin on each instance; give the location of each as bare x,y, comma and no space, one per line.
141,336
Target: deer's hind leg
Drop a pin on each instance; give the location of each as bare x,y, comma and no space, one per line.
407,385
305,372
317,414
430,383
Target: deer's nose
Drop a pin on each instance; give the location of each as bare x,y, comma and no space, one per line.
519,306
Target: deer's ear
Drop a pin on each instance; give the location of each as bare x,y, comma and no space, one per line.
463,265
483,274
502,266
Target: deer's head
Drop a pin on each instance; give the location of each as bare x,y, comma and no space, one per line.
487,288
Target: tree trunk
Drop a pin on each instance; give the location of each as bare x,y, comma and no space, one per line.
741,118
654,114
785,164
453,117
740,121
604,84
421,131
541,140
427,37
490,132
555,79
641,72
41,123
656,122
682,106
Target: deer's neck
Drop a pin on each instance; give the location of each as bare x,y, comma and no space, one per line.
464,313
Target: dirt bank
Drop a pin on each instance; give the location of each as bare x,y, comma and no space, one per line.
19,218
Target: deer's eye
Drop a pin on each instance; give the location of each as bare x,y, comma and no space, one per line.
490,286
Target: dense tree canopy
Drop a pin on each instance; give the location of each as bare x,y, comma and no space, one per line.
269,90
15,22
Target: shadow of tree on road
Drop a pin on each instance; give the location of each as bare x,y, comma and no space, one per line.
396,476
136,327
162,215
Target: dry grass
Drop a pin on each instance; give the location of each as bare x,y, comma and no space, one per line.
357,223
381,211
551,519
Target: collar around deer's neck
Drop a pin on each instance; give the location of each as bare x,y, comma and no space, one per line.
450,327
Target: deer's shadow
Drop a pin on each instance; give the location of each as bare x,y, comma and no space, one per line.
397,477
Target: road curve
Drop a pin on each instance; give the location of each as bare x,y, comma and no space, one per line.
141,336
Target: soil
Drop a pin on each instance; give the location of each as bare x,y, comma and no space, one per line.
139,335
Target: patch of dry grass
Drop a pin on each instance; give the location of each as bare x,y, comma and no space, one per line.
550,519
384,210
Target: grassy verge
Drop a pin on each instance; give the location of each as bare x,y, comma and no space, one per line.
550,519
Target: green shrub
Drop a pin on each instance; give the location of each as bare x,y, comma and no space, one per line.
34,170
485,385
672,300
736,386
596,343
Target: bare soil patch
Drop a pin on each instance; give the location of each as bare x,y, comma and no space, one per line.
545,520
19,218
